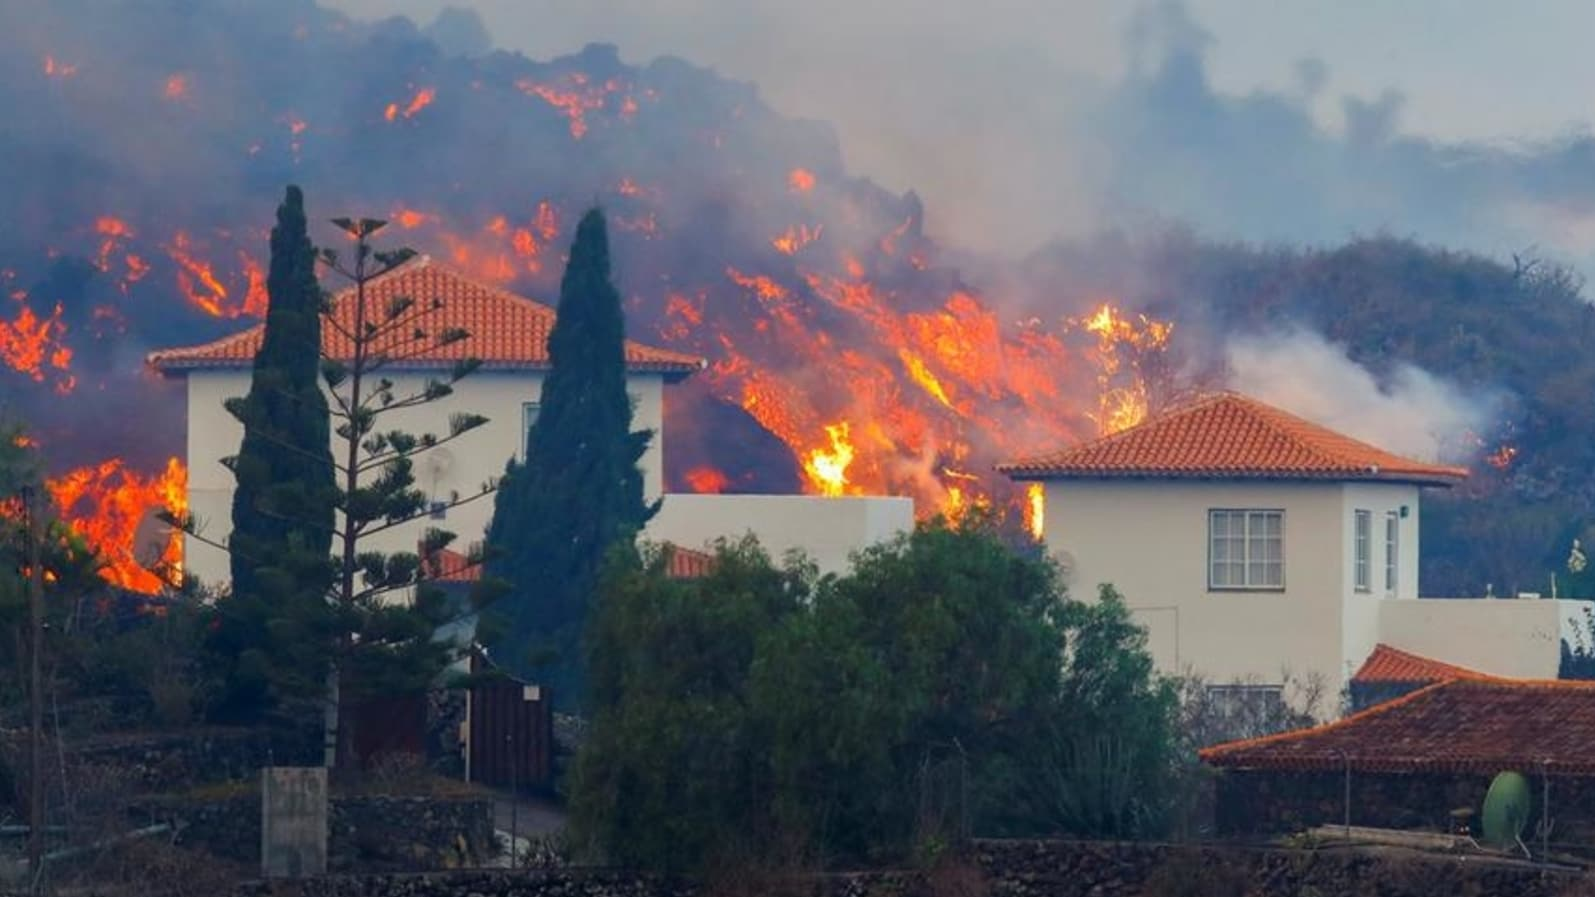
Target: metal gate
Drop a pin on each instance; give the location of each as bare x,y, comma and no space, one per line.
511,732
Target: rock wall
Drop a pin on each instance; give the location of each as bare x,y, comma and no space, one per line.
1259,802
365,834
1019,869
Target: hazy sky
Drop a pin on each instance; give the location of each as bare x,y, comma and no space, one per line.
974,102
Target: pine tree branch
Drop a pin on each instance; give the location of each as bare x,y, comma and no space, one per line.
378,460
487,489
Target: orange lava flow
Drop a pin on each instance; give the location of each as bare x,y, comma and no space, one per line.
37,347
422,99
707,480
575,96
113,509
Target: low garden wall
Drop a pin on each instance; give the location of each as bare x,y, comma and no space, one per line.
1268,802
1017,869
365,833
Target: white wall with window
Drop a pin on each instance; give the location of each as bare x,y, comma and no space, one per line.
1246,549
1362,547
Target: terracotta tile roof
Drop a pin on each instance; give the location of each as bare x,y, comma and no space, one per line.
506,331
451,566
684,563
1229,436
1387,664
1460,725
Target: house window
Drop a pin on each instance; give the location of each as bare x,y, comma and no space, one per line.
1362,536
1246,549
1392,552
1232,702
529,412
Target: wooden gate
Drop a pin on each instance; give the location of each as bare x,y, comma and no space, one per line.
511,733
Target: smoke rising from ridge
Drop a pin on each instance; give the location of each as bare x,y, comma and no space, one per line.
1413,413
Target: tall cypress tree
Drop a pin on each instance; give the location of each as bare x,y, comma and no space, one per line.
269,631
579,493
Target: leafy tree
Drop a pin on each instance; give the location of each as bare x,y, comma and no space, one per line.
674,766
579,493
271,635
944,687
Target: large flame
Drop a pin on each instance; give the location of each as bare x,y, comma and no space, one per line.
827,467
1122,396
36,346
113,509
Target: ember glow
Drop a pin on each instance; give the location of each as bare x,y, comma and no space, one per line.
54,68
199,284
37,347
113,509
575,96
707,480
800,180
796,238
176,87
420,100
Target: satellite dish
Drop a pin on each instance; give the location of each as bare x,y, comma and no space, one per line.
1506,810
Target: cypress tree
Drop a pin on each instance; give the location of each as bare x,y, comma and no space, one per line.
268,632
578,495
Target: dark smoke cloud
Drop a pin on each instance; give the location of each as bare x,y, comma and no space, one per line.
1021,121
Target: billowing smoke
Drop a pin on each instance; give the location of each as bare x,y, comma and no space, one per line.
1021,120
1410,412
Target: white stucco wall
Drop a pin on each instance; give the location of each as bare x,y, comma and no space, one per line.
827,529
1150,540
462,465
1519,637
1360,626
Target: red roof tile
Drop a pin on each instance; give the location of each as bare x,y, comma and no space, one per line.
1229,436
684,563
1387,664
506,331
444,565
1462,725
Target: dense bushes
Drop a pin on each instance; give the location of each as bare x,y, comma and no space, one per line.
946,686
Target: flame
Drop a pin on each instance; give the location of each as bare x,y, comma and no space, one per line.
1502,458
796,238
800,180
422,99
575,96
1123,401
827,467
1035,510
37,347
108,504
176,87
199,284
707,480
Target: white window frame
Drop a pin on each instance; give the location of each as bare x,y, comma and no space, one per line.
1392,553
529,414
1232,546
1362,550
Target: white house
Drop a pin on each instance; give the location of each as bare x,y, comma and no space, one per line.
1252,543
509,334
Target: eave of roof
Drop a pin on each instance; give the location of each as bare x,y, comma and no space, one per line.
1226,436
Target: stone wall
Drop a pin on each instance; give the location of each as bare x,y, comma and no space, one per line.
1019,869
365,833
1267,802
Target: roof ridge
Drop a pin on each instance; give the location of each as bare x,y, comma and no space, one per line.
1228,747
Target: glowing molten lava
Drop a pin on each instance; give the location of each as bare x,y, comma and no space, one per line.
796,238
37,347
197,281
422,99
827,467
707,480
800,180
1035,510
114,509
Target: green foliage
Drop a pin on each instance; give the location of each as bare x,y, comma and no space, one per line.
946,686
272,634
579,493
